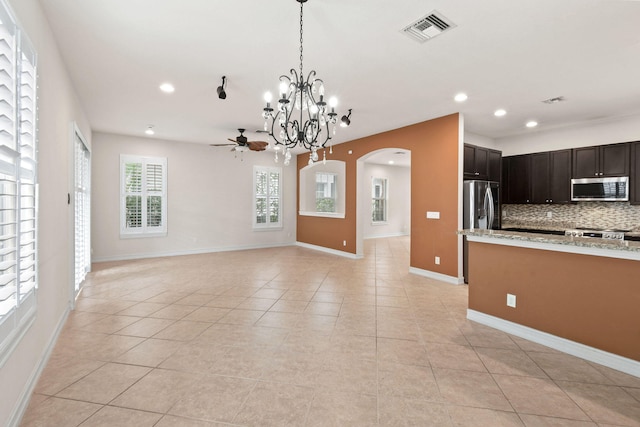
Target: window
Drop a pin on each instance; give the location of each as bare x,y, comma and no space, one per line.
18,178
379,200
82,211
143,196
267,185
326,192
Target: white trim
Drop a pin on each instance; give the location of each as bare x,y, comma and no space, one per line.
437,276
573,348
322,214
385,236
25,396
188,252
567,246
328,250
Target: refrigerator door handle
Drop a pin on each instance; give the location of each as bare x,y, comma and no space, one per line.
488,201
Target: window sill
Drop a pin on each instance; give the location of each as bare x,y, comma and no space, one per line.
142,235
374,223
323,214
274,228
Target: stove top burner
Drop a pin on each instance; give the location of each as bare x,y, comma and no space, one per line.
614,234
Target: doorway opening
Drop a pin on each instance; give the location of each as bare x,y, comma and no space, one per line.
383,200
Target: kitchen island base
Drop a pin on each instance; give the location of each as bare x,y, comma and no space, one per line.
585,305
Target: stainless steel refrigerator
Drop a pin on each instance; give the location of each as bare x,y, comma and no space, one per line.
481,209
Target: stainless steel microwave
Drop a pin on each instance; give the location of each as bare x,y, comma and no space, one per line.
614,189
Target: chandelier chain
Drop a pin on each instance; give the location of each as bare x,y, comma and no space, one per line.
301,9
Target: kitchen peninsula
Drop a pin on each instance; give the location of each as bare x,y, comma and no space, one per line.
578,295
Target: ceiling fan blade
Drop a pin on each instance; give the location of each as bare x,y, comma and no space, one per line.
221,145
257,145
232,140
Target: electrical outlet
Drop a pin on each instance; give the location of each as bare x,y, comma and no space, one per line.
344,243
511,300
437,260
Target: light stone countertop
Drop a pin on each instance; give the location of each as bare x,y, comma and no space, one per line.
583,245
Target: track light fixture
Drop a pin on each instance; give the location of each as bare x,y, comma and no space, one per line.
346,120
221,93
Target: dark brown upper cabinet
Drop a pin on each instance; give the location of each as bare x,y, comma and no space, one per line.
481,163
634,185
601,161
551,177
495,165
476,164
516,179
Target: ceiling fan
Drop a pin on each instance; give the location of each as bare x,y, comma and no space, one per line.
240,143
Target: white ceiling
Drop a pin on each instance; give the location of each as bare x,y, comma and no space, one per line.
502,53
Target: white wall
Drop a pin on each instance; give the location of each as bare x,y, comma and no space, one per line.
210,199
479,140
600,132
399,204
58,108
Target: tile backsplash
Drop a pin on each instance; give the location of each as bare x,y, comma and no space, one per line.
620,215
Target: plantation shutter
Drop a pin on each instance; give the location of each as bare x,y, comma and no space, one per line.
82,215
267,199
143,196
8,159
18,182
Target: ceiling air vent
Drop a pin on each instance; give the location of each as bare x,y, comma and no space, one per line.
428,27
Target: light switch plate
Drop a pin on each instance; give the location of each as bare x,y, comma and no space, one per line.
511,300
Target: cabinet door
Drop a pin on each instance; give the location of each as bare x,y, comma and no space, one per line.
519,178
614,160
585,162
482,163
634,185
540,178
469,162
495,165
560,176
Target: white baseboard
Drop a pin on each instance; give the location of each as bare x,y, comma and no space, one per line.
187,252
386,236
437,276
573,348
329,250
25,396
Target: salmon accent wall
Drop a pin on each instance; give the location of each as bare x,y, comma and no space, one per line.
587,299
434,146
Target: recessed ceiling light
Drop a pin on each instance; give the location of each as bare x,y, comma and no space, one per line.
167,88
391,162
461,97
500,112
532,124
150,131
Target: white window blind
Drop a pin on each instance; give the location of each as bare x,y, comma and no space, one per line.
143,196
18,182
379,200
267,197
82,214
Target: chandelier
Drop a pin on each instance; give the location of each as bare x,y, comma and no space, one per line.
302,117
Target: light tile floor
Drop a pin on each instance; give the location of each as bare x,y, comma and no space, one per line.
290,336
